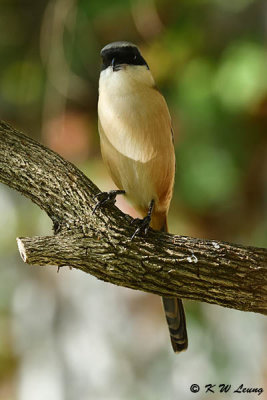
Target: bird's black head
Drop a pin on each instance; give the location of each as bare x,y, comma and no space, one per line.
117,54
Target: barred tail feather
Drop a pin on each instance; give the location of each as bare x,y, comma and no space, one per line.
175,316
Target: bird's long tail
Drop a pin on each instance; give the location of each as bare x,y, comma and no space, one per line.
175,317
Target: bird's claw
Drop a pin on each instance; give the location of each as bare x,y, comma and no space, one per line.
106,198
143,225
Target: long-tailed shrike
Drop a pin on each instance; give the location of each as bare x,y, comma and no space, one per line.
137,148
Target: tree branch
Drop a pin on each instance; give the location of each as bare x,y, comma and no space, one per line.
211,271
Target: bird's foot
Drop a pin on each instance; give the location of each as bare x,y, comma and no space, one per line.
106,198
143,224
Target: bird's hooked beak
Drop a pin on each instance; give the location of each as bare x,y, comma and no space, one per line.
114,66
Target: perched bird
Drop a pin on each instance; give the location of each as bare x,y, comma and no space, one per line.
137,148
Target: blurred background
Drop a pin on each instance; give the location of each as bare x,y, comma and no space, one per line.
68,336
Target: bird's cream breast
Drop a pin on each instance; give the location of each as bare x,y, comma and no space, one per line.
132,113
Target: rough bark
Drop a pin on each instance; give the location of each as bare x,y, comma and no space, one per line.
216,272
